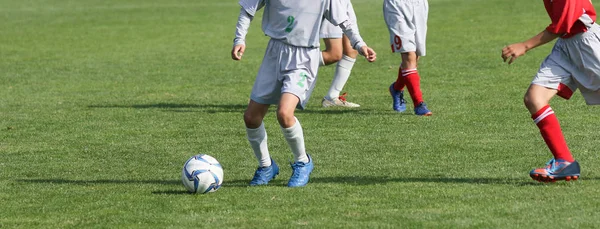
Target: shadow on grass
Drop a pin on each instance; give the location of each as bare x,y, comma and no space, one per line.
370,180
240,108
181,107
172,192
373,180
351,180
104,181
95,182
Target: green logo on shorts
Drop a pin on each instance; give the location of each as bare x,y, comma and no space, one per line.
303,76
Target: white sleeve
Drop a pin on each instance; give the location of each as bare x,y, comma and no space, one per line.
338,15
351,31
251,6
242,27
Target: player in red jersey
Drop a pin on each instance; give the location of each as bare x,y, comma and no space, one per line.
574,63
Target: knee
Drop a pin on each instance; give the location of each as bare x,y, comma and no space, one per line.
530,102
351,53
285,119
332,56
251,121
409,60
527,100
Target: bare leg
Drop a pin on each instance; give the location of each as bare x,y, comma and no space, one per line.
333,50
537,101
345,62
538,97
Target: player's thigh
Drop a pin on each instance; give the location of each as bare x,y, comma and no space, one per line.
299,72
555,73
287,105
267,86
300,83
333,50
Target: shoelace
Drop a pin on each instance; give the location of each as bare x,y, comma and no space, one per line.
552,165
258,173
296,166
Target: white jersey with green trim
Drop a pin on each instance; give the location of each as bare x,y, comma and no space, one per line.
297,22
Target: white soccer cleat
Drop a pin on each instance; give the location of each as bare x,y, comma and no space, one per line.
338,102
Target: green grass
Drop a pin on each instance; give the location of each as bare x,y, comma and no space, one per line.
101,103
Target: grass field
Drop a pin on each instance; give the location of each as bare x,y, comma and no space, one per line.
101,103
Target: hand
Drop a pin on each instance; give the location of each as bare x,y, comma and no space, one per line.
369,53
511,52
237,51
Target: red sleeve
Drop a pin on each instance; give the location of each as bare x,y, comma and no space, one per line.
563,13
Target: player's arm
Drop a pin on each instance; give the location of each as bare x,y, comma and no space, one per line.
247,12
241,29
351,31
563,14
511,52
339,17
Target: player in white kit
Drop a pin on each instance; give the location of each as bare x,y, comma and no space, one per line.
287,74
407,23
338,49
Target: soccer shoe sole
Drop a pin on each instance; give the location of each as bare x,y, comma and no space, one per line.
553,178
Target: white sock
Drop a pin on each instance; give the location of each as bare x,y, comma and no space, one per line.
342,73
295,138
258,141
321,60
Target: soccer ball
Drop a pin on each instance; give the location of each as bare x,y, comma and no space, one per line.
202,174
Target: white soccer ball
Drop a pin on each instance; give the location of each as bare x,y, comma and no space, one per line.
202,174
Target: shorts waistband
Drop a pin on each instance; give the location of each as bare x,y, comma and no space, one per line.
593,29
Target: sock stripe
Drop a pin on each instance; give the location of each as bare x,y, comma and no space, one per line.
543,115
406,72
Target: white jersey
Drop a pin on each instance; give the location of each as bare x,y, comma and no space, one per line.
298,23
329,30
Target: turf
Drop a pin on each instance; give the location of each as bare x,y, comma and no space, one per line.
101,103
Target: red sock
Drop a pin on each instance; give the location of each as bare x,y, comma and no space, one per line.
552,134
400,82
412,79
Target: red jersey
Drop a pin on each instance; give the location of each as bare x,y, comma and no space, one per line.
570,17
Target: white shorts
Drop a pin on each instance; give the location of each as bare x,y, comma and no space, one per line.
407,23
574,63
329,30
286,69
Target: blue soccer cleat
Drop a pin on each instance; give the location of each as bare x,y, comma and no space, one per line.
263,175
398,104
422,110
556,170
301,172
